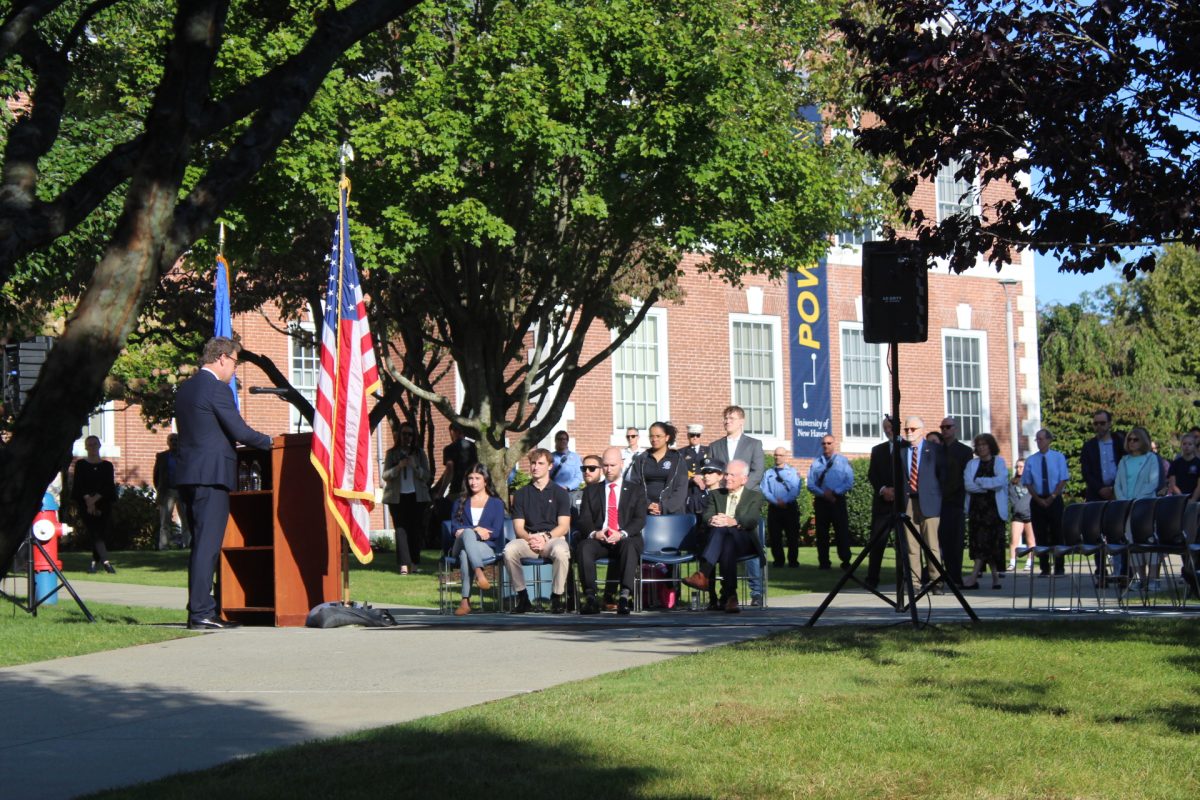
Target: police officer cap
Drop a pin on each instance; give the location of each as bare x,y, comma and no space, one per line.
712,465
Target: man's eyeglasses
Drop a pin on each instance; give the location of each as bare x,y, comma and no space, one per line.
590,467
693,436
911,430
631,436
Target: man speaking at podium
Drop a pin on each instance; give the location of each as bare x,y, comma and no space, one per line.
209,426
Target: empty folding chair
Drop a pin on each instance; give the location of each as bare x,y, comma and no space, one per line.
1116,546
666,540
1091,545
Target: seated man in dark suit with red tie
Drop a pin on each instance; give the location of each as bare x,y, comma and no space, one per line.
732,517
611,518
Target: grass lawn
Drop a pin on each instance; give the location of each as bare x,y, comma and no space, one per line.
62,630
1054,709
379,583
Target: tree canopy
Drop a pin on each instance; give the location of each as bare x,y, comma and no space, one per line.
527,172
1097,101
125,134
1129,348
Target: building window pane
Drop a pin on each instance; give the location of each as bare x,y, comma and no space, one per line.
754,377
953,196
636,377
964,384
862,386
306,367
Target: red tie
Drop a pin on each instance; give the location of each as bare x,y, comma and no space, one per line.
912,472
613,524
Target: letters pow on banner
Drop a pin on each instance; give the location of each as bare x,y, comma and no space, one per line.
808,332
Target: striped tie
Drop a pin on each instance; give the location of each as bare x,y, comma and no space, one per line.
912,473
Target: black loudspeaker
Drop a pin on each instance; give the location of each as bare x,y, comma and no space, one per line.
895,292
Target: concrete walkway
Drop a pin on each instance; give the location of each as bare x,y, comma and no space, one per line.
78,725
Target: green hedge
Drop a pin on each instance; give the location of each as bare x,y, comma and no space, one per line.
134,524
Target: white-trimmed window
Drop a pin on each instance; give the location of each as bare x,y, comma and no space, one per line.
864,391
304,369
640,388
756,368
954,196
965,355
100,424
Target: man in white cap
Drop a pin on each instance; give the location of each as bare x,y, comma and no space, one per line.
695,453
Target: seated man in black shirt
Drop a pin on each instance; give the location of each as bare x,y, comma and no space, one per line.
541,521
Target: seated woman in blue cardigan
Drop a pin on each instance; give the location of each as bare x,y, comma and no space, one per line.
478,522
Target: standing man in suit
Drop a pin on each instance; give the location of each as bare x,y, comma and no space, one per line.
1099,457
209,426
166,488
736,446
830,479
612,516
879,473
925,468
1046,476
1098,462
695,454
951,529
732,516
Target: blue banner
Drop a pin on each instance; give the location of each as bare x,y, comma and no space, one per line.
808,343
222,319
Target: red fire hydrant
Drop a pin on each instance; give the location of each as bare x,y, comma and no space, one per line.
47,529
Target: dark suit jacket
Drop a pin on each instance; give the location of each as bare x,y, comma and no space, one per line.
879,473
748,513
161,473
209,425
631,508
1089,464
957,456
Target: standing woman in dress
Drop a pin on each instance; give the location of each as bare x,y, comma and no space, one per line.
406,492
94,489
662,472
986,481
478,523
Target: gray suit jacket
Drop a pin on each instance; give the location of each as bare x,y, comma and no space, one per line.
749,450
931,467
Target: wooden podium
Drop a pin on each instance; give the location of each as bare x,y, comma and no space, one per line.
282,552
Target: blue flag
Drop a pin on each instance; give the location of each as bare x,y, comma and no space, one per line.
222,319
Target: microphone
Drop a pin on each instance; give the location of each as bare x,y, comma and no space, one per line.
278,392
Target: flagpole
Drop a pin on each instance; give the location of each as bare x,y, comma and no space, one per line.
344,152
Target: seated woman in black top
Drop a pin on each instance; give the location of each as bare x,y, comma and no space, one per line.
662,472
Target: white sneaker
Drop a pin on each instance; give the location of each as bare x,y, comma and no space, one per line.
1012,565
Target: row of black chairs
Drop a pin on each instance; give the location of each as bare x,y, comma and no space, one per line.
668,539
1121,531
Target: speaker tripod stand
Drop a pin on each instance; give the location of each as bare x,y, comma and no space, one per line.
899,524
32,601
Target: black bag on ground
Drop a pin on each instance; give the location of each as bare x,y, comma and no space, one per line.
336,615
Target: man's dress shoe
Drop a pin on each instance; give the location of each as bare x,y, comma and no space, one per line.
210,624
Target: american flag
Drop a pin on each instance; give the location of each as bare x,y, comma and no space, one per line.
341,444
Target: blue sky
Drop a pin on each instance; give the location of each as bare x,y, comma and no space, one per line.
1055,287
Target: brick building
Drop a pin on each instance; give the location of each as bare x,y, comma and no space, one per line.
722,344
